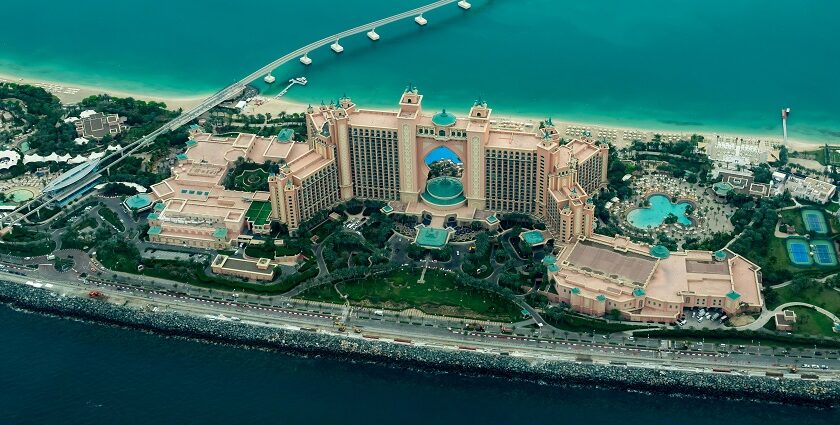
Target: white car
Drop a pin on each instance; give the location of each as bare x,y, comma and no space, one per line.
700,320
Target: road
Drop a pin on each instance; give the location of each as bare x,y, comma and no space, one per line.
444,333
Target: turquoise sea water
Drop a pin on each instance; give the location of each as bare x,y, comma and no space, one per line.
654,215
57,371
715,65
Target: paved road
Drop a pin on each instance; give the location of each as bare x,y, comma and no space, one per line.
441,332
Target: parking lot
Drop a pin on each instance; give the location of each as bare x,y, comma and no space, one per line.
710,318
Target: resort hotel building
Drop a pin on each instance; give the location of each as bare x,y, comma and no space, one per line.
503,168
598,274
380,155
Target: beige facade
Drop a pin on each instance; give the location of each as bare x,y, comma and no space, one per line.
193,208
599,274
260,269
506,168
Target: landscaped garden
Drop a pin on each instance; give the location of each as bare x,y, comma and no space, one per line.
440,294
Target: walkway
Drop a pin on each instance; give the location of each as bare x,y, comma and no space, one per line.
767,315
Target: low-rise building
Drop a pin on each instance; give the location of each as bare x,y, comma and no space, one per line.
599,274
97,125
259,269
785,320
738,151
195,209
810,189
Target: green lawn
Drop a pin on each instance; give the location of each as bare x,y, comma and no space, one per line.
794,218
812,322
439,295
251,180
111,217
818,295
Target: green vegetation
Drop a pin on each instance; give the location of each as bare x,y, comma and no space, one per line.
84,234
40,112
812,322
290,246
345,249
249,176
567,320
63,264
683,158
132,170
251,180
23,242
806,290
477,263
110,216
193,273
441,294
115,189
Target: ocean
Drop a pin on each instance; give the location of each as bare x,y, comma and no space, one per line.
714,65
70,372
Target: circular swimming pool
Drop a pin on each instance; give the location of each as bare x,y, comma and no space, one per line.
655,214
20,195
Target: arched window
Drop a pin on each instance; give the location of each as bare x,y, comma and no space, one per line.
442,133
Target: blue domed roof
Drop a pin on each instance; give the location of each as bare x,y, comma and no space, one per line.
444,119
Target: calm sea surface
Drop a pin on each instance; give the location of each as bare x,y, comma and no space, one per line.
689,65
68,372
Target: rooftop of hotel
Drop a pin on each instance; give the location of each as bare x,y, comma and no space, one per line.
633,267
604,265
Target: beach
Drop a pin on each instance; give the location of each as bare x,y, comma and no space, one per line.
71,93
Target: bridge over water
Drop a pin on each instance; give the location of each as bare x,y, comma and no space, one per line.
235,89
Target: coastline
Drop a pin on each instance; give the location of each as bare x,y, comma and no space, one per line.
70,93
816,393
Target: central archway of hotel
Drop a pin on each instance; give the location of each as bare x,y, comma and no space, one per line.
444,190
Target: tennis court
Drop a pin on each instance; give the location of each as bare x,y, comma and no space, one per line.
824,254
798,252
814,221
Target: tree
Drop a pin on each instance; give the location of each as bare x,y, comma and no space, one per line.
762,174
615,314
783,155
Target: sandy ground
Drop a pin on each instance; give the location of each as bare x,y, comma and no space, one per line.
70,93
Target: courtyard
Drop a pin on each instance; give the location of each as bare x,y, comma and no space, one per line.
645,213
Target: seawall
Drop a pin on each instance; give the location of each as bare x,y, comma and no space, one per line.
818,393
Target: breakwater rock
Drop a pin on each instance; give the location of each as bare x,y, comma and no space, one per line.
798,391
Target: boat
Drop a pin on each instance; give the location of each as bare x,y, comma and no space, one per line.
300,80
269,79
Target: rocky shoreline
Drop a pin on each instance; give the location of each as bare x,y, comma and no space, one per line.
794,391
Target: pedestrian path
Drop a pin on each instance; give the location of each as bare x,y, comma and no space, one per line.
768,315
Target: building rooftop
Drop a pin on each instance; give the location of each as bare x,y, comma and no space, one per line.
432,237
138,201
444,119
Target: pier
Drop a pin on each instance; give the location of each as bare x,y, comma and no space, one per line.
300,80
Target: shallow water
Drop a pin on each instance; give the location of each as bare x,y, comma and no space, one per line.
715,65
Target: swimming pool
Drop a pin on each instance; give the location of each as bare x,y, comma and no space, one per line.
654,215
20,195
